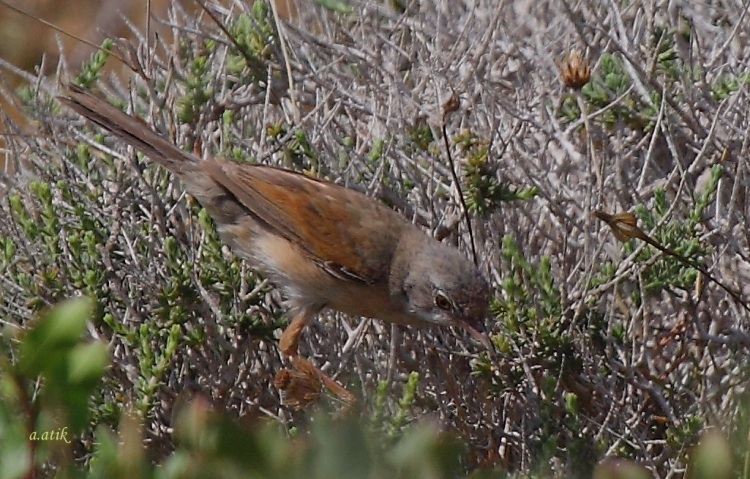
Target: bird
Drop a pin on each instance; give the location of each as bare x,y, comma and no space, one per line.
324,245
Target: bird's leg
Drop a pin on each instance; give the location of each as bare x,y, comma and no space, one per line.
290,337
288,345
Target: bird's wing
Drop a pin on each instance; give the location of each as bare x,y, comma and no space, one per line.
347,233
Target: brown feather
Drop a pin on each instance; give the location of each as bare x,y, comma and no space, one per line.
328,229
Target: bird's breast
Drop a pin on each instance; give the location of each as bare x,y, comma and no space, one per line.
305,281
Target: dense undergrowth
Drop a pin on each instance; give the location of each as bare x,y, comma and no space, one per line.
604,350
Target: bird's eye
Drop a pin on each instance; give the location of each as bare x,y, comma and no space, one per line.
442,302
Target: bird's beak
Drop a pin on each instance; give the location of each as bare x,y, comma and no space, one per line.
477,331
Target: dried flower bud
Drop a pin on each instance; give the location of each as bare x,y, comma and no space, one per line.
301,385
451,104
575,70
624,225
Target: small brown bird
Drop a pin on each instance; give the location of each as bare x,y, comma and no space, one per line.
326,246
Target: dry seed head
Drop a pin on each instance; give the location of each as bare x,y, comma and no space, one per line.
624,225
301,386
451,104
575,70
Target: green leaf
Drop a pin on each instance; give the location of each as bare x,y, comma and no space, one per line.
336,6
14,454
87,363
54,335
712,458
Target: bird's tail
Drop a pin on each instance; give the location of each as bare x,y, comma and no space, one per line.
132,130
